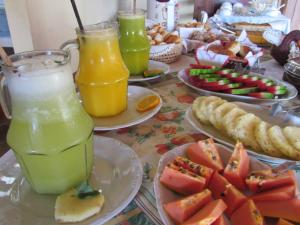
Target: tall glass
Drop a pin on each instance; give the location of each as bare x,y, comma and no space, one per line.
50,133
102,76
134,44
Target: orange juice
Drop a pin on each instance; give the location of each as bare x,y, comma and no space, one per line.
102,76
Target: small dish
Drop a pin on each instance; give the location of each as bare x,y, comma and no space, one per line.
119,178
152,65
130,116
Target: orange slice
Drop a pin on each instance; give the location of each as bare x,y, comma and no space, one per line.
147,103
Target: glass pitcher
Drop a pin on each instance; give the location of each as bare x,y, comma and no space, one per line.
102,76
50,133
134,44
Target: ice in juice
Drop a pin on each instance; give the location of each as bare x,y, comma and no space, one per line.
102,77
50,133
134,44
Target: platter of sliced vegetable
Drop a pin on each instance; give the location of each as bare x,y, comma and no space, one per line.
231,85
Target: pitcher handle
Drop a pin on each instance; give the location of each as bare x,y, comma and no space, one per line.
70,44
2,97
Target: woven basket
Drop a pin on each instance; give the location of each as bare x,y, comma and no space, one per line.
168,53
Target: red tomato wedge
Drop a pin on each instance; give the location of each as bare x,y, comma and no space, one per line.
289,209
281,193
187,164
220,221
247,214
181,180
283,222
233,199
205,153
237,167
208,214
217,185
182,209
262,180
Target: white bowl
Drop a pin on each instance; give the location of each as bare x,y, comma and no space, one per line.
273,13
225,12
227,5
238,5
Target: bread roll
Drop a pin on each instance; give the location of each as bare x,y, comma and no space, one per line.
244,51
234,47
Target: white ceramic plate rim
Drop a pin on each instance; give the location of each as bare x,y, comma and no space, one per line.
189,116
138,121
138,174
292,91
165,67
137,178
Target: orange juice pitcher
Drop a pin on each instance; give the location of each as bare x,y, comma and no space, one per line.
102,76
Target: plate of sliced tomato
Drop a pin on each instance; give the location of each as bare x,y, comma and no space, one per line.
208,183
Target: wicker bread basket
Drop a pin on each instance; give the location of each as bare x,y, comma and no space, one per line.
167,53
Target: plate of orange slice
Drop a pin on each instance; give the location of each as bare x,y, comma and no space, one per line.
143,104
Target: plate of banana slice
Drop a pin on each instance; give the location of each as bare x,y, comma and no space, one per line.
272,139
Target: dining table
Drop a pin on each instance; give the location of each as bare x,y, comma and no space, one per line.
156,136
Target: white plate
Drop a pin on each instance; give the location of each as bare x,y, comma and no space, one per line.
119,177
261,112
152,65
130,116
292,91
164,195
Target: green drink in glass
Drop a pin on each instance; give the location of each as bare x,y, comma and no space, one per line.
50,133
134,44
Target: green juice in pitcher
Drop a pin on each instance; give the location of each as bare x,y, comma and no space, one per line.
134,44
50,133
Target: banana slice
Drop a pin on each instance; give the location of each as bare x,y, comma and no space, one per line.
200,111
281,142
264,141
243,130
70,209
293,136
229,118
216,118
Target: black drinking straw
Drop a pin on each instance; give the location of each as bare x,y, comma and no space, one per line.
77,15
134,6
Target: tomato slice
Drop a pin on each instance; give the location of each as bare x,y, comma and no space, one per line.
220,221
217,184
233,199
283,222
281,193
288,209
205,153
247,214
237,167
208,214
182,209
181,180
262,180
201,170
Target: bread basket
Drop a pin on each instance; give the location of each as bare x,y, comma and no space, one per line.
167,53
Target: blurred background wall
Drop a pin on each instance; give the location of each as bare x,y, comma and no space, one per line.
41,24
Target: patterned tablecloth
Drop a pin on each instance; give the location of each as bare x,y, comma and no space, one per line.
166,130
160,134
